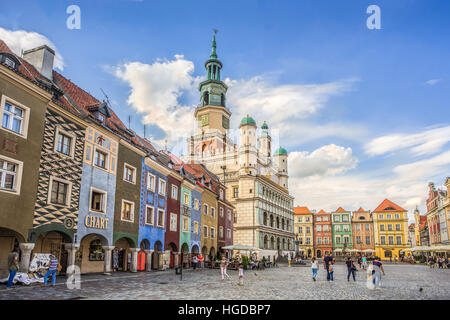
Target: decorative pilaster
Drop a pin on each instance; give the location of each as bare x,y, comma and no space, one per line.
108,251
26,249
176,259
148,260
72,249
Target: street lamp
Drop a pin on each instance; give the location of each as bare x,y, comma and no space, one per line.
296,245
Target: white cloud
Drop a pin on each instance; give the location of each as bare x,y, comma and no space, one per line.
327,160
156,91
432,82
23,40
425,142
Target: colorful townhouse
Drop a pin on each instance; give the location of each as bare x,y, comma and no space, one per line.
436,216
23,107
323,243
447,205
362,230
341,231
304,231
154,194
390,222
196,215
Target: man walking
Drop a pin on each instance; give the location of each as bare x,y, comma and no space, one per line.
350,269
51,270
194,262
326,263
13,266
377,269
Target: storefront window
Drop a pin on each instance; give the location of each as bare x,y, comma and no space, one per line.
96,252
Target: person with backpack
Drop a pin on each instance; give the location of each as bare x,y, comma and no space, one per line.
52,268
326,263
351,268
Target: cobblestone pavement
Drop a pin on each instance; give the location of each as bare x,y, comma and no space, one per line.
400,282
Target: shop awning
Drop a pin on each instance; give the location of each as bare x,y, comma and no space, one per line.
241,247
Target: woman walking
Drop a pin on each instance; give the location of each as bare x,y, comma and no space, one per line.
314,267
223,268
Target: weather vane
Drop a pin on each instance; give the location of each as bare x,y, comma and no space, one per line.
215,31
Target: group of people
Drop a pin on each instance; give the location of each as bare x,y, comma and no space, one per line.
440,262
13,268
374,270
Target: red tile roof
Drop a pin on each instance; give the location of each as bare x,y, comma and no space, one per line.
412,226
340,209
388,205
422,222
301,210
361,210
322,212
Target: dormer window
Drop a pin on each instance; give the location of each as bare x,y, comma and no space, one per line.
10,63
9,60
100,117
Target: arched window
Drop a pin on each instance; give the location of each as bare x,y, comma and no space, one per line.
278,223
282,223
222,100
96,252
206,99
271,221
265,218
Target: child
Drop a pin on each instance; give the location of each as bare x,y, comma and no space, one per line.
314,267
331,270
241,274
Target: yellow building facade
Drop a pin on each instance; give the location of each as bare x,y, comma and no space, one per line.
304,231
390,230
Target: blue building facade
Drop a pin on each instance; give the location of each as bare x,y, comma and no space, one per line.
153,207
196,215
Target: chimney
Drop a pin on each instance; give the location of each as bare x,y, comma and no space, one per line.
42,59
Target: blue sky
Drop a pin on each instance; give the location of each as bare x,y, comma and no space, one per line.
346,85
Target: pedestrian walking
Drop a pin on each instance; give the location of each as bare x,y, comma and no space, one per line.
289,259
359,262
223,268
115,259
351,268
194,262
314,267
364,262
13,267
369,280
326,262
376,273
331,270
440,262
201,259
241,274
53,267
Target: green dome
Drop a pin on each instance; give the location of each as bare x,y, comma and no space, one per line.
281,150
265,126
248,120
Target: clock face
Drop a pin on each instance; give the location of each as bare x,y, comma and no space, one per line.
215,90
204,120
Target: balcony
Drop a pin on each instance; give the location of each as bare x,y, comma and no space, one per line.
186,211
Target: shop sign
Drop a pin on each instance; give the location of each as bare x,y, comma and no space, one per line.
96,222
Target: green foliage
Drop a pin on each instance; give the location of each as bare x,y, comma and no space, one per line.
245,261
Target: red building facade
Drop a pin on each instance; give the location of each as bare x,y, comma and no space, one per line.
323,243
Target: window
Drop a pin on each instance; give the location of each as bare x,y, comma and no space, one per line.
235,192
318,219
205,231
308,240
399,240
357,227
213,212
300,240
367,227
228,233
9,62
307,219
127,211
64,143
173,222
300,229
299,219
397,227
346,239
205,209
98,201
195,227
326,228
381,217
160,218
381,227
326,240
100,159
367,239
174,192
319,228
337,219
96,252
185,224
338,240
358,240
319,240
345,218
308,230
187,199
383,240
229,214
129,173
59,192
212,232
346,228
221,211
389,227
337,228
397,216
101,117
162,187
221,194
14,116
149,211
221,232
10,174
391,240
325,219
151,181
